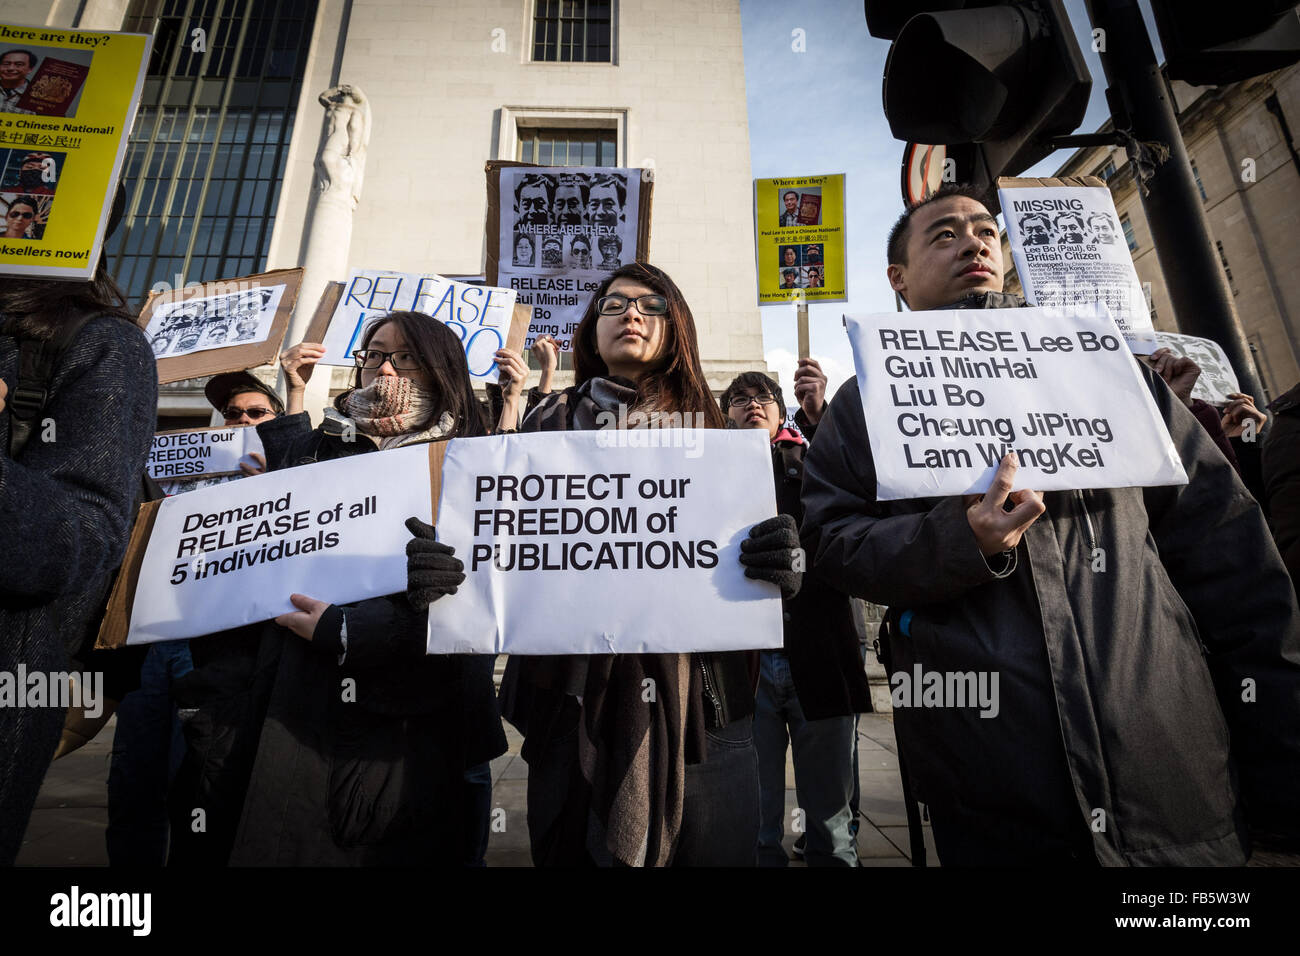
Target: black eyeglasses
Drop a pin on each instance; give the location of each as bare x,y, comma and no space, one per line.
742,401
256,414
645,304
22,215
403,361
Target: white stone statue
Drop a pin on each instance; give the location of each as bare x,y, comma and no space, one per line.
341,163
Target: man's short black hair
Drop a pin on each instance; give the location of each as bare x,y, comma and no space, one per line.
31,57
789,192
896,248
751,380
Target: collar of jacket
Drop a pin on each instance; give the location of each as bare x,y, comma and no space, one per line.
1286,402
988,300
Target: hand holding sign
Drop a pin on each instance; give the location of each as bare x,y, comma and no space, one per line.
770,552
1179,372
810,389
304,620
1240,408
297,364
546,350
996,529
432,568
257,467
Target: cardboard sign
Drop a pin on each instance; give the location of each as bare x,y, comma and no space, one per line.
554,234
479,315
947,393
1068,247
197,452
232,554
223,326
1217,377
799,239
611,541
63,134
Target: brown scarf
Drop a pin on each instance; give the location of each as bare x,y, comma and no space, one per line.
390,405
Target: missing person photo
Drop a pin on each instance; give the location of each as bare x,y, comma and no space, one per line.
611,252
789,215
25,215
41,80
788,256
213,322
30,172
1035,229
525,250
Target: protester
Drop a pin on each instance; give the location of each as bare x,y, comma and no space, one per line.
1109,744
1281,477
695,801
66,499
808,692
377,779
215,690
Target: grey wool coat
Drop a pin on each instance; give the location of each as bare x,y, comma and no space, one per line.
66,508
1148,714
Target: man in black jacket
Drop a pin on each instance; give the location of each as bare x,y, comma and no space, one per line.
814,686
1119,681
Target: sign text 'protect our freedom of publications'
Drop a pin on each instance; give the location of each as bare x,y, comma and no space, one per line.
947,394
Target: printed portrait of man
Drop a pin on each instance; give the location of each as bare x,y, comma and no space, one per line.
611,252
160,343
188,342
216,334
37,174
1102,228
790,217
245,327
789,278
523,250
16,67
812,255
789,255
1036,229
534,194
580,253
814,280
570,200
1069,228
606,198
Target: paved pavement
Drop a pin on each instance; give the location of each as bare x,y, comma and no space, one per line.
67,827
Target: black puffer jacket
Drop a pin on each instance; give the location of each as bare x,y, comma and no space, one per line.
1117,690
1280,463
360,763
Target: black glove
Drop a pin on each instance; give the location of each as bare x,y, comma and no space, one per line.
768,554
432,569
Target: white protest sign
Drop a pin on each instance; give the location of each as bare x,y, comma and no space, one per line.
478,314
1068,248
563,231
600,542
948,393
233,553
1217,377
201,451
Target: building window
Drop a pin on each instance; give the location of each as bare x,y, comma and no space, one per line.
206,155
573,31
1151,306
1107,171
568,147
1128,233
1196,173
1227,271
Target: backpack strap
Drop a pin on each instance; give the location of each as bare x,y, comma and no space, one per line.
37,360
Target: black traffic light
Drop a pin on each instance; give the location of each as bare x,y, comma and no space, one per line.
1005,76
1206,44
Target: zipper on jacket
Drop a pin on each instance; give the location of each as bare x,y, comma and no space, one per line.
709,693
1087,519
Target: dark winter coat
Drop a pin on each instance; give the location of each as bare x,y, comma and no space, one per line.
1117,690
821,641
376,779
66,509
1280,463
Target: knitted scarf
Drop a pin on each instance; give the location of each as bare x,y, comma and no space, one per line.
388,409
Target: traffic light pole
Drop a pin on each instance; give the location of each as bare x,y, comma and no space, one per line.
1201,298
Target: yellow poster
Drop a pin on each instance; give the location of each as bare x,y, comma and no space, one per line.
67,101
799,231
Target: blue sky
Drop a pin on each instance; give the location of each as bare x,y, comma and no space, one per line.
820,112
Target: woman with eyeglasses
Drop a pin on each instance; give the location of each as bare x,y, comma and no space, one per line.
613,780
365,740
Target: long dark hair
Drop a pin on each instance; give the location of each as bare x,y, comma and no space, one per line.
676,383
441,355
36,308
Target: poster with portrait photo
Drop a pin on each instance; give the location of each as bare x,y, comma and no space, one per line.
30,172
222,326
583,222
799,224
1068,250
42,80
